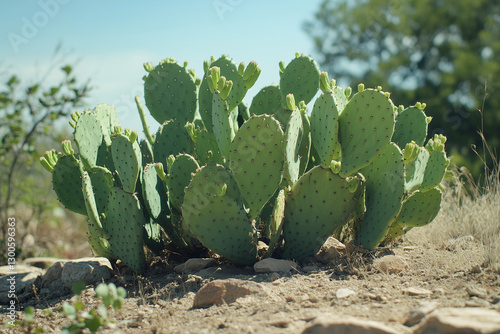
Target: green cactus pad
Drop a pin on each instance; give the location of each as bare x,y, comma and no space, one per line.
435,169
152,189
293,140
256,160
275,227
365,128
67,184
179,177
207,149
411,125
146,152
300,78
223,126
325,124
415,171
102,182
97,237
171,93
171,139
125,227
213,212
106,114
88,138
127,159
229,70
305,144
268,102
420,208
318,204
384,195
153,237
243,113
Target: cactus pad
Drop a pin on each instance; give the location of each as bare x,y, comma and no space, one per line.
411,125
365,128
88,138
67,184
318,204
300,78
171,139
293,140
420,208
213,212
384,194
171,93
127,159
179,177
256,160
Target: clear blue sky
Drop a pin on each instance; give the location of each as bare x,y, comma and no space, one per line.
110,40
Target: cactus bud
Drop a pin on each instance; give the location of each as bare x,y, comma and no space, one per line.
160,171
379,88
335,166
148,67
282,66
337,152
221,190
117,130
74,116
185,64
428,119
353,183
290,102
302,107
297,54
213,78
361,87
46,164
221,83
170,162
324,82
333,82
411,152
348,92
192,73
251,81
132,136
191,130
72,124
250,70
224,93
67,149
423,105
241,68
127,132
206,65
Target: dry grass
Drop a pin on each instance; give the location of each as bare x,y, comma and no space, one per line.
468,211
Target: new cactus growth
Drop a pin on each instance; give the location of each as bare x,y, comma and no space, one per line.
356,167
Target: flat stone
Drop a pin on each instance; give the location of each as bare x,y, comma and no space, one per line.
226,291
461,320
330,251
413,291
419,312
333,323
476,291
391,264
194,265
343,293
43,262
23,276
88,270
271,265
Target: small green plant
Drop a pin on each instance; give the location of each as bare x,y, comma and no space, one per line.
95,318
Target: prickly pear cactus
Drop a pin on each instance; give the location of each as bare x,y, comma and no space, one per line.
179,176
213,212
256,160
88,138
312,210
171,92
365,128
127,159
411,125
300,78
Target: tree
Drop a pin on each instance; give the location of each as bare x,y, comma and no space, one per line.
442,52
27,119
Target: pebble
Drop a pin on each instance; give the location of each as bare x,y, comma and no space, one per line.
391,264
270,265
332,323
225,291
344,293
413,291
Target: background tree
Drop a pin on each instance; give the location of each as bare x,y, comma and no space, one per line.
27,126
442,52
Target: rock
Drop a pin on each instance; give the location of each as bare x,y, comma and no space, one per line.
332,323
43,262
461,320
413,291
23,276
226,291
459,243
271,265
330,250
419,312
476,291
88,270
194,265
344,293
391,264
